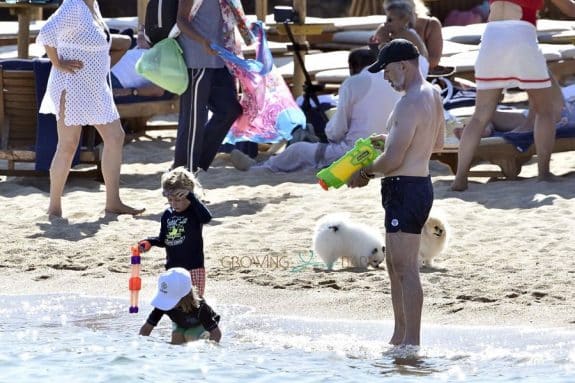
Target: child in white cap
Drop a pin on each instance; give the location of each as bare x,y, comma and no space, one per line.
191,316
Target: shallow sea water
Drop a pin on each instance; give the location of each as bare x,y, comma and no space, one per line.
72,338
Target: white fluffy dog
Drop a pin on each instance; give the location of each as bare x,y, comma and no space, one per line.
337,236
434,238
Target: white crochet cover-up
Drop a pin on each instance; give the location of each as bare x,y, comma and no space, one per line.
76,35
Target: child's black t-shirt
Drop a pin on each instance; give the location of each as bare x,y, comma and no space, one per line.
203,315
181,235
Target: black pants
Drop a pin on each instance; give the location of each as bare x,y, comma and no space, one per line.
198,139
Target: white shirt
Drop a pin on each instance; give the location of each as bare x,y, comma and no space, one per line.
76,35
125,69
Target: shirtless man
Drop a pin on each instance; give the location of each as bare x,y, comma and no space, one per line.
415,129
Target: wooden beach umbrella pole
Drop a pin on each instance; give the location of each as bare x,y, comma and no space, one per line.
141,12
365,7
261,9
298,76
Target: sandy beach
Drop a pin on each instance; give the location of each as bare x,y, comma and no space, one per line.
510,260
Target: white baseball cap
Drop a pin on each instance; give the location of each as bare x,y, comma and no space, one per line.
173,285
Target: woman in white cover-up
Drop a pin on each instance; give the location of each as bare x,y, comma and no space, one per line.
77,42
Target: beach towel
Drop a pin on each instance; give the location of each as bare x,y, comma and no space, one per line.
270,113
454,96
509,57
565,128
523,141
234,17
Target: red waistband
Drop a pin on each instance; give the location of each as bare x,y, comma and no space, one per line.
529,8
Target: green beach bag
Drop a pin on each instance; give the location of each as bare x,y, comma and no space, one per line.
164,65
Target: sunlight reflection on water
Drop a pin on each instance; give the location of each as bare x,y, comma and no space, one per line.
93,339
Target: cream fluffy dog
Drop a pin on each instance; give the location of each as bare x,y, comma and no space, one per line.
434,238
337,236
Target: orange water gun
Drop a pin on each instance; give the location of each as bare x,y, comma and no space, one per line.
135,281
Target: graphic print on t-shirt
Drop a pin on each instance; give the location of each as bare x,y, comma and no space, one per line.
176,233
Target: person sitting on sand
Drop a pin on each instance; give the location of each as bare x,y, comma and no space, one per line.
192,317
365,102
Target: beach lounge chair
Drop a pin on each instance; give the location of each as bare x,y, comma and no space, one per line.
509,151
135,115
498,151
560,60
24,132
28,139
471,34
314,63
560,57
341,72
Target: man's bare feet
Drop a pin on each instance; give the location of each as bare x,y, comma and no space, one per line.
54,212
57,219
124,209
548,177
459,185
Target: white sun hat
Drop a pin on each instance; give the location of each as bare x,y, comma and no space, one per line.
173,285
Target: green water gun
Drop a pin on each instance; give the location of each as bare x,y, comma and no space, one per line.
338,173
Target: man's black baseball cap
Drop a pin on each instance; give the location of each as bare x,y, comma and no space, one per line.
394,51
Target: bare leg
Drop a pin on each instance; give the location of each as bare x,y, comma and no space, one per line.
120,45
485,105
297,156
396,298
512,121
544,135
404,252
113,137
68,138
544,132
488,131
178,338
